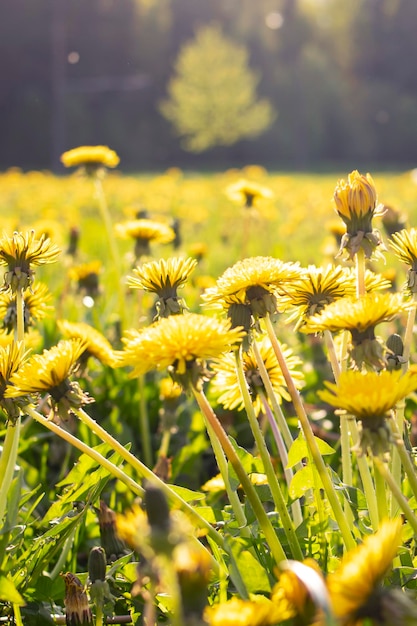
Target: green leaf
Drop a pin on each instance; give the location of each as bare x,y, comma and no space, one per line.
8,592
299,450
301,482
253,573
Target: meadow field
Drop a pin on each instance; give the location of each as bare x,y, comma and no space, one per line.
149,473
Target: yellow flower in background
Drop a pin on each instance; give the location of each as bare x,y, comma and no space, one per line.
247,193
163,278
258,611
19,252
355,587
144,232
36,307
86,275
356,203
49,373
179,342
90,157
95,343
225,383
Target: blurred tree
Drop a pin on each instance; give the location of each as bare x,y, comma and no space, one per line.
212,96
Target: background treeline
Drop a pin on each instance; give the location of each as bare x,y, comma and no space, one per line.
341,75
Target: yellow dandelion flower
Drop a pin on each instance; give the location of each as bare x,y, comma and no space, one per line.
225,383
247,193
163,278
95,343
179,342
404,244
355,587
133,527
86,275
259,611
356,203
319,287
253,282
49,372
11,358
19,252
291,589
93,157
36,306
370,398
360,316
144,232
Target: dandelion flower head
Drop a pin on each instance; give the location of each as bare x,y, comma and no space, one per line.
96,156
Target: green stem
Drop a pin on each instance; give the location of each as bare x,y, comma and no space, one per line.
323,472
117,268
99,615
367,482
144,424
165,441
380,490
255,502
231,493
146,473
360,273
407,463
388,478
8,462
273,483
407,342
17,615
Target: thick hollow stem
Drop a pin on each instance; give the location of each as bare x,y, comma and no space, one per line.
255,502
322,470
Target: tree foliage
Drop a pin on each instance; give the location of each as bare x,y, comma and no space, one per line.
212,96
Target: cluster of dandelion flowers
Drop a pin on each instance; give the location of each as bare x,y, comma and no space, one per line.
360,316
356,204
252,284
163,278
90,158
96,344
145,232
36,307
21,251
225,383
49,372
404,245
181,343
371,398
247,193
356,590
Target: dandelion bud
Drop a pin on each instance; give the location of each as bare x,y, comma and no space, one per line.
97,564
113,546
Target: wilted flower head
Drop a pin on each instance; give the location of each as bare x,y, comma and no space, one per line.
356,590
77,610
181,343
355,202
225,383
163,278
370,398
49,373
90,158
247,193
21,251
